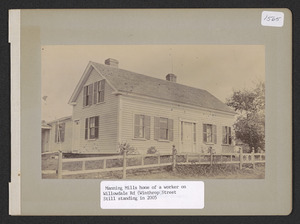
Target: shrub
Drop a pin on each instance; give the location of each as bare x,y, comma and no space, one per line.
128,148
152,150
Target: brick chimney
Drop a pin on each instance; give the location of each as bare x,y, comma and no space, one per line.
112,62
171,77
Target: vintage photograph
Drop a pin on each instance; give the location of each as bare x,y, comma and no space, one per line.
153,112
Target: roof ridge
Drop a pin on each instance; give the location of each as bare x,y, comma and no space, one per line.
172,83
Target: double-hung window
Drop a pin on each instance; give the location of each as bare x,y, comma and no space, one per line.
92,127
87,95
163,129
141,126
99,88
209,133
226,135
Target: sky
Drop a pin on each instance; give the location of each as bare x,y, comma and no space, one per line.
219,69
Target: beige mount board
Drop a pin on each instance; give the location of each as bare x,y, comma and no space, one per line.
32,29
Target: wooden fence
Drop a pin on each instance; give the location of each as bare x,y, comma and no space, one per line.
128,162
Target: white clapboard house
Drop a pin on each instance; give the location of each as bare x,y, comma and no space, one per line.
113,106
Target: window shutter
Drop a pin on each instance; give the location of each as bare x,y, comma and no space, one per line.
204,133
86,128
229,137
95,92
56,126
90,94
62,132
156,128
170,129
214,127
103,90
136,125
84,95
147,127
97,127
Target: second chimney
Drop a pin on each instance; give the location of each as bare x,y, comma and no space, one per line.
171,77
112,62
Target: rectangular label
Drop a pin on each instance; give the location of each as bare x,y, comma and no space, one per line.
152,195
271,18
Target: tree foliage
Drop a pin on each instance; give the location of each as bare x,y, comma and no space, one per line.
250,124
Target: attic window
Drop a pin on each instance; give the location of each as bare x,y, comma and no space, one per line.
99,91
87,95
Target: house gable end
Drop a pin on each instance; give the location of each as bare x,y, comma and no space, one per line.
84,78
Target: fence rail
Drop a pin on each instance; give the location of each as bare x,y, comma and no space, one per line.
161,160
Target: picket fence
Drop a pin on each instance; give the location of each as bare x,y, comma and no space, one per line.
161,160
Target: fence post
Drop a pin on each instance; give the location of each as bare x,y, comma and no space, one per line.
124,164
241,158
59,169
158,159
174,158
211,157
253,159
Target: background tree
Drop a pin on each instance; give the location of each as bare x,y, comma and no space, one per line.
250,124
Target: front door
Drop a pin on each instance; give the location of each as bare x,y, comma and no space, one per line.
188,137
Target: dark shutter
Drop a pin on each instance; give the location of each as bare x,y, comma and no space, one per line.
84,95
86,128
147,127
95,92
56,130
102,90
90,94
136,125
96,127
170,129
204,133
229,136
156,128
214,130
62,132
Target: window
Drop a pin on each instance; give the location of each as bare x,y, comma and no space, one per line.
209,133
87,95
99,91
163,129
92,127
59,132
226,135
141,126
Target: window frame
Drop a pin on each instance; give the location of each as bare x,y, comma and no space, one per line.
88,95
169,132
227,135
92,128
212,135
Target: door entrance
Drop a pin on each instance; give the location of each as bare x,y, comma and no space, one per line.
188,136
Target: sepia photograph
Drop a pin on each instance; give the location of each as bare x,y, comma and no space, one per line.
153,112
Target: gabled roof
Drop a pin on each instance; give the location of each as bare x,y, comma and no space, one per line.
130,82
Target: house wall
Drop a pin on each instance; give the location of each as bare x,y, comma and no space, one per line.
108,120
131,106
66,145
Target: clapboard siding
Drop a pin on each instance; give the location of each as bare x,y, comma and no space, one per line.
108,115
152,108
66,145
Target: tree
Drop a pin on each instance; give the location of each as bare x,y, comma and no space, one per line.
250,124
